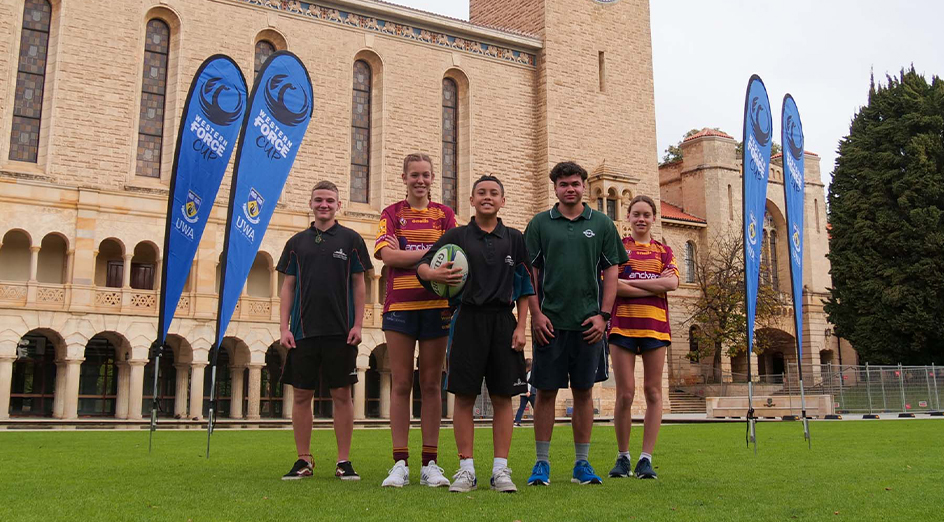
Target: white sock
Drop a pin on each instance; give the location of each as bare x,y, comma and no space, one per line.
467,465
645,455
625,454
499,464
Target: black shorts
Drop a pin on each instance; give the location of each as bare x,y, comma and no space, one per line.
568,361
481,348
419,324
315,359
637,345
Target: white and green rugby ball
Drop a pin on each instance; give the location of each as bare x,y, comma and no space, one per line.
445,254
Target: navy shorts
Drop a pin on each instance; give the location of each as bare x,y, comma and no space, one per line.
419,324
637,345
568,361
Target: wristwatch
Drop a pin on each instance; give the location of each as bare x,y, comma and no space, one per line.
605,316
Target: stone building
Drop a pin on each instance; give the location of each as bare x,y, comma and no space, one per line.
701,202
91,95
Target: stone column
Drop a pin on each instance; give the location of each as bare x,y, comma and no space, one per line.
375,289
124,379
59,396
6,382
360,393
196,389
180,395
126,270
157,274
34,263
273,283
451,405
288,396
70,264
255,391
236,392
136,389
385,384
70,404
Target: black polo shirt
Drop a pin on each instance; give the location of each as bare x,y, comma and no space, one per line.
323,264
499,267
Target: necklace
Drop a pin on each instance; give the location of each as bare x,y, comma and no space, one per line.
318,238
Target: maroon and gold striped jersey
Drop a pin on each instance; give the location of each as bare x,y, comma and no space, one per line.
412,229
644,316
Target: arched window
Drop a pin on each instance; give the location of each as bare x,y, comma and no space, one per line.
98,378
360,134
264,49
450,142
30,81
730,204
153,94
816,212
774,263
690,262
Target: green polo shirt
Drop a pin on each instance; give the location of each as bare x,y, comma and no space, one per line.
570,255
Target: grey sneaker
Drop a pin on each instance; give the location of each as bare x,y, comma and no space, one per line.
432,476
463,482
501,481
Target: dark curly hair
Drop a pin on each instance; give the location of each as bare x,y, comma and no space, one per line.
567,168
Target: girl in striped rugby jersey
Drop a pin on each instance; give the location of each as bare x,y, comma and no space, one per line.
413,314
640,326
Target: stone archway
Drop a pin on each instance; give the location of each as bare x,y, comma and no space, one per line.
34,374
777,364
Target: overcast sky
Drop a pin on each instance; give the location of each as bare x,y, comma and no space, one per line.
820,51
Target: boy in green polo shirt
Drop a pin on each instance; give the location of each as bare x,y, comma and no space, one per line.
569,246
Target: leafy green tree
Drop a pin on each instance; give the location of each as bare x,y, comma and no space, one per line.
674,152
886,213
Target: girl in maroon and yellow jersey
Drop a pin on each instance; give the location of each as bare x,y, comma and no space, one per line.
640,326
413,314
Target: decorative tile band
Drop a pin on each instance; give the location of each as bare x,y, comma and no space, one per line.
377,25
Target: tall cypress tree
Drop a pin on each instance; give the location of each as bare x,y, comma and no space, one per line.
886,213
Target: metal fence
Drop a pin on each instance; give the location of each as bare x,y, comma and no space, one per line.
854,388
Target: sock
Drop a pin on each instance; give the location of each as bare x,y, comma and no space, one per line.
582,451
625,454
645,455
467,464
430,453
543,449
401,454
498,464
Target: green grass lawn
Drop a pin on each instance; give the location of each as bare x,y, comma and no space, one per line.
862,470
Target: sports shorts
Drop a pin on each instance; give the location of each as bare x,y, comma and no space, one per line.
322,358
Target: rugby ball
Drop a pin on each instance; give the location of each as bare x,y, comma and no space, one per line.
445,254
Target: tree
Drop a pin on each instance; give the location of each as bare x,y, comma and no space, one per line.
775,149
719,309
886,213
674,152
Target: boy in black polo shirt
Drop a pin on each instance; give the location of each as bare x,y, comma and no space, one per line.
487,341
322,299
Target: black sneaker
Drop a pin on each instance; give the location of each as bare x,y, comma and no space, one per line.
301,469
622,468
345,471
644,469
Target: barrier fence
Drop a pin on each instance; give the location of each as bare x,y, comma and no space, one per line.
866,389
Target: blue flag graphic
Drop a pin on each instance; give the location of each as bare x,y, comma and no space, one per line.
280,108
793,191
209,126
758,136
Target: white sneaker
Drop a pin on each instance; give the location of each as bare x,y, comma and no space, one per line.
501,481
399,476
463,481
432,476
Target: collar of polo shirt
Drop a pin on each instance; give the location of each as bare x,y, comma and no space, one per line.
331,231
499,229
555,213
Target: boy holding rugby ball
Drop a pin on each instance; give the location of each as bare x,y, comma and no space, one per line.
488,341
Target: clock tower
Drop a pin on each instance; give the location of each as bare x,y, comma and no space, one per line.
594,91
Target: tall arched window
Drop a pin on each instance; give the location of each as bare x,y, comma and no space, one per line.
153,94
730,204
264,49
360,134
690,262
450,142
30,81
774,262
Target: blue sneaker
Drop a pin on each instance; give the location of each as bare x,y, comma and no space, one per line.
644,469
584,474
540,474
622,469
